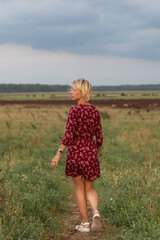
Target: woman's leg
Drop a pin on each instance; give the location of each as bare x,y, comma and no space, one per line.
92,197
91,194
81,198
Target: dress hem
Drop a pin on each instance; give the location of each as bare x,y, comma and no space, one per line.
93,179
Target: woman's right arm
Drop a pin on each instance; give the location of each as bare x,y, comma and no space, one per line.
98,150
98,133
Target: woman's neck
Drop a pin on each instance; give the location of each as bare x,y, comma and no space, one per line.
82,101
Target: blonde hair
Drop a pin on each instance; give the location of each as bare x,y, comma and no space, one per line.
84,86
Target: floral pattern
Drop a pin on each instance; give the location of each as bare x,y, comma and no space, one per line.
82,125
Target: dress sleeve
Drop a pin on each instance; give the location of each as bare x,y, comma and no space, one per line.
70,127
98,133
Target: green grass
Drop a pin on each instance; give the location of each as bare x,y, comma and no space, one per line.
34,198
126,95
130,171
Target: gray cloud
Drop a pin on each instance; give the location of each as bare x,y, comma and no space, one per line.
21,64
116,28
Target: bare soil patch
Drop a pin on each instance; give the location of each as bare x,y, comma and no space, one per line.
122,103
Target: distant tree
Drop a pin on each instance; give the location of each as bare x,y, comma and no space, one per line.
123,94
28,88
52,96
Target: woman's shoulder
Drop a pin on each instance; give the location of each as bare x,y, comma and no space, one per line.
84,106
74,109
79,107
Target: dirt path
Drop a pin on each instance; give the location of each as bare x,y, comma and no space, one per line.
74,219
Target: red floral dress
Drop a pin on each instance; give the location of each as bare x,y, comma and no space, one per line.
82,125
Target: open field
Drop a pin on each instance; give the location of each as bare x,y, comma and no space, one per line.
114,99
95,95
34,199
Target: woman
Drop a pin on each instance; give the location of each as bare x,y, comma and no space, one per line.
82,158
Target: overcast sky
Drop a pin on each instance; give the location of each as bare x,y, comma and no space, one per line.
108,42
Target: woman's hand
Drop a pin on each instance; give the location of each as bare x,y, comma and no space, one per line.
54,162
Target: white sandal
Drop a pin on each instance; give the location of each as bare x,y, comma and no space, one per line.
96,225
81,227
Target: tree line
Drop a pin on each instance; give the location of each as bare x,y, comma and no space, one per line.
20,88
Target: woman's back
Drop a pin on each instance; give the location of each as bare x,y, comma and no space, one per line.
87,121
83,122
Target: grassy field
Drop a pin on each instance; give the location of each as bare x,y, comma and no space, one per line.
66,95
130,182
33,198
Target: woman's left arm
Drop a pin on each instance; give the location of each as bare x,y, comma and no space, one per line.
55,160
70,128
